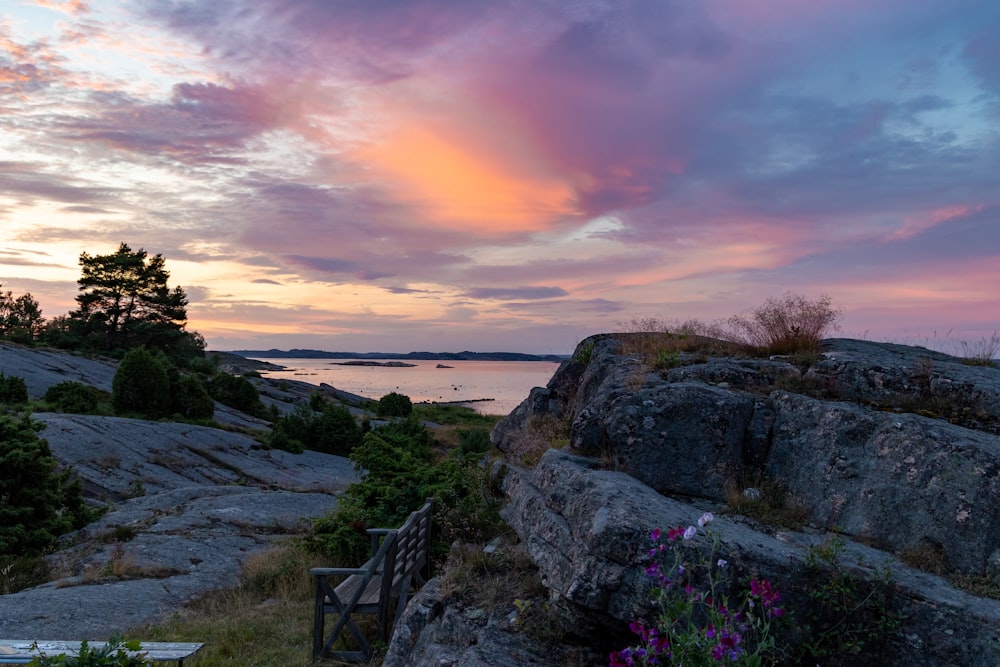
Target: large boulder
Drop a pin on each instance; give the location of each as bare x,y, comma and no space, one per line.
904,481
684,438
899,481
586,529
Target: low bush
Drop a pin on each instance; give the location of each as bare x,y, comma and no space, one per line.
333,430
786,325
141,386
399,471
473,441
394,404
236,391
191,399
76,398
849,620
39,502
12,389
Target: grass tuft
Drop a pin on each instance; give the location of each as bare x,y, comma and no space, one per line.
789,324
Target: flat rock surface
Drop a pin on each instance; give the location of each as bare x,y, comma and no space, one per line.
185,505
41,368
118,457
171,548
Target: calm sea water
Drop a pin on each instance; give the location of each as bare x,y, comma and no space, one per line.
506,382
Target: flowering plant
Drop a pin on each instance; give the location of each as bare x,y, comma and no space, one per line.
697,625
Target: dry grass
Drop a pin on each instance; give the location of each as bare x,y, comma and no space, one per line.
787,325
491,581
266,620
541,433
981,352
660,343
766,500
926,556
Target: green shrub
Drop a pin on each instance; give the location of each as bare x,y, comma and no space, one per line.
12,389
39,503
474,441
191,399
398,473
236,391
394,405
333,431
75,398
141,386
849,620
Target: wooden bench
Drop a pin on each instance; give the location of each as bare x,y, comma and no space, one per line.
400,560
22,651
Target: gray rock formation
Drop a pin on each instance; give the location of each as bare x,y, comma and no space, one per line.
149,556
119,458
586,529
42,368
184,505
899,480
893,449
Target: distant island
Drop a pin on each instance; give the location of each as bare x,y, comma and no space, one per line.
420,356
365,362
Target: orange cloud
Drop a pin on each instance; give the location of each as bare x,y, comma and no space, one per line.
458,187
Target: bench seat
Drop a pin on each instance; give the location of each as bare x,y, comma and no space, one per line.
380,587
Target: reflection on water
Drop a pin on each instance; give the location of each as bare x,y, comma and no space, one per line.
506,382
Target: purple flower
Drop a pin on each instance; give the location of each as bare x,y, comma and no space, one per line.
705,519
654,535
722,563
690,532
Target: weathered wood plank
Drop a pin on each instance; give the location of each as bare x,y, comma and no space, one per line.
21,651
380,587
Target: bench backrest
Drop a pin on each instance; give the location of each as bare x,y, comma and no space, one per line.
409,552
413,541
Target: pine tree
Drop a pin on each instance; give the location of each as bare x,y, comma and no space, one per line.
37,502
125,302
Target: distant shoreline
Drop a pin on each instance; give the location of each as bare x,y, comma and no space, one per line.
419,356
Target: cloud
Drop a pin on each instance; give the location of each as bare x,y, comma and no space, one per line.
391,154
72,7
32,182
503,293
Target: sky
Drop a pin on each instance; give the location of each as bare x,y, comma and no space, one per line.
445,175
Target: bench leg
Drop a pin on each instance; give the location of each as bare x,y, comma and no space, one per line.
344,620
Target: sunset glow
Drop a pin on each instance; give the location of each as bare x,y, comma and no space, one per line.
447,175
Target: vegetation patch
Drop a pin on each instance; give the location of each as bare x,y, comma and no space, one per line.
40,503
77,398
539,434
767,500
849,620
788,324
13,391
401,466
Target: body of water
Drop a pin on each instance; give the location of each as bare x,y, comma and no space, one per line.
506,382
